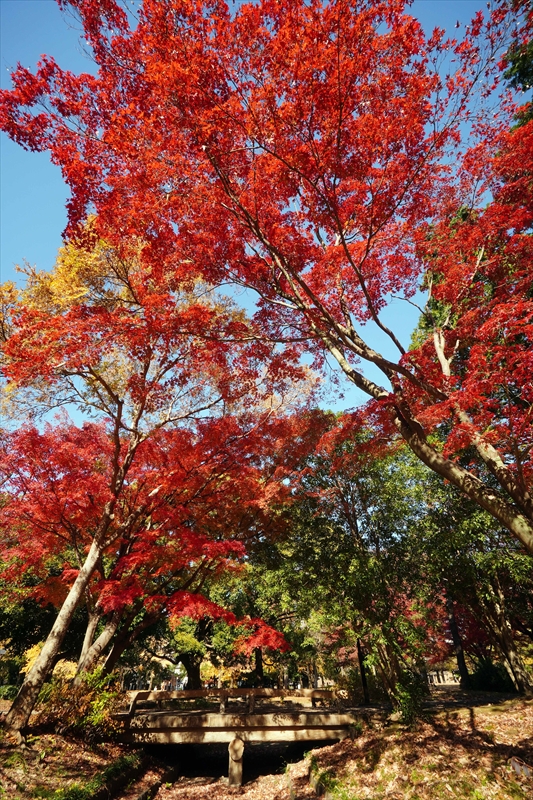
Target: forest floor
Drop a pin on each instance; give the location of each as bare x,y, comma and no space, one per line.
467,746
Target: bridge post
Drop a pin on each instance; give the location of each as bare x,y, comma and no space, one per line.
223,700
236,750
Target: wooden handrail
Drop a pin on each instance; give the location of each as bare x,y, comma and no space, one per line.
159,695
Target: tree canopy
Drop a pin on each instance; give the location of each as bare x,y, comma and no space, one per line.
330,158
313,152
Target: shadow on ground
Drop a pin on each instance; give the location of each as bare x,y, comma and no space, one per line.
211,760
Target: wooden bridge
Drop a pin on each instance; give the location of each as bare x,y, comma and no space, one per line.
239,716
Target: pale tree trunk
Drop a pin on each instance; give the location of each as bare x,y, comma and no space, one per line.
89,659
388,667
22,706
285,678
515,522
88,639
522,676
513,661
498,624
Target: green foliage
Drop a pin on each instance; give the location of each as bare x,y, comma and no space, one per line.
16,759
345,570
8,692
223,640
327,779
483,570
324,780
411,691
85,706
184,638
519,74
374,547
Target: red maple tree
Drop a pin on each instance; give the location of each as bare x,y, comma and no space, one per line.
312,152
191,500
182,390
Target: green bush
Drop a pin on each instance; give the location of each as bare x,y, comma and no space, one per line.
411,691
86,706
322,780
8,692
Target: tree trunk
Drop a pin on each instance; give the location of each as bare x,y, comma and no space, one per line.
259,673
522,678
513,516
337,338
457,644
126,636
496,618
315,675
388,667
88,639
89,660
192,663
469,484
362,670
22,706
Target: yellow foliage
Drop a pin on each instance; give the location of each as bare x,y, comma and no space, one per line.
30,657
222,675
79,276
9,299
94,274
65,670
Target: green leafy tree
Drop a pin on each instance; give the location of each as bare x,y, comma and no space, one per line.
476,567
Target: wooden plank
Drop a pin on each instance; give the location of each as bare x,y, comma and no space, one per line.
240,721
211,737
245,691
156,696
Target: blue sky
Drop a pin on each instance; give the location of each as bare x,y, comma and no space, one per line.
32,192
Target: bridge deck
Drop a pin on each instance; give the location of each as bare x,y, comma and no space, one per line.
202,726
272,723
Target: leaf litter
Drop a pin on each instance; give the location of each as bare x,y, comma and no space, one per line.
469,753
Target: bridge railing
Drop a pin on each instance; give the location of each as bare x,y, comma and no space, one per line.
223,695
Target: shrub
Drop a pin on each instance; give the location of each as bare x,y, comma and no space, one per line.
8,692
410,693
85,706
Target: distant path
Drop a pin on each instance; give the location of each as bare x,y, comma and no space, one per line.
451,695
